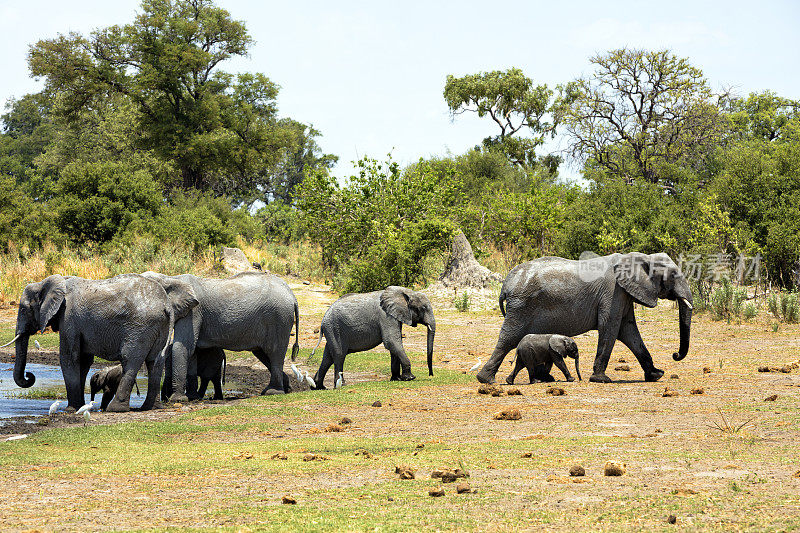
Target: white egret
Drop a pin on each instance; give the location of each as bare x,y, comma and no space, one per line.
297,372
38,346
54,407
476,366
86,418
339,382
309,380
17,437
85,409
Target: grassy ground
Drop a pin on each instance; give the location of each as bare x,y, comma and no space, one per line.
220,466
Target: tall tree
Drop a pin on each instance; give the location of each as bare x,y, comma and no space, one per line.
167,63
639,110
511,100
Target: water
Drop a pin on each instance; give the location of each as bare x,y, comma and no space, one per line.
47,376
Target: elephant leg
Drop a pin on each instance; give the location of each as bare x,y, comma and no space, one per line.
86,361
121,402
192,392
511,332
398,353
630,336
607,336
328,357
274,362
201,392
108,395
166,387
561,365
518,366
183,348
69,357
396,368
155,367
541,373
217,382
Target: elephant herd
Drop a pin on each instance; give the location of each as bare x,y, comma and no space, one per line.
180,326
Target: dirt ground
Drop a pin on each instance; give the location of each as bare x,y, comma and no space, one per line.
721,458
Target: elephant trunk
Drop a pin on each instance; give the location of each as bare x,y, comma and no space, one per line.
685,322
431,334
22,378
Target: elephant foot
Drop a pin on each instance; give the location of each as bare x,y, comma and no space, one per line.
408,377
394,378
510,380
600,377
570,379
485,377
180,398
654,375
270,392
118,407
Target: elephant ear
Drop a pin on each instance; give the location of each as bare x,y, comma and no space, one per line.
558,344
54,290
394,302
638,279
181,296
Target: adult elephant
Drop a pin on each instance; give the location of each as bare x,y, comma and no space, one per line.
251,311
555,295
125,318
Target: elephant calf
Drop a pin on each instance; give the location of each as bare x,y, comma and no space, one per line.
210,367
537,353
106,380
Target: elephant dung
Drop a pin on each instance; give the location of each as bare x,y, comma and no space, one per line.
463,488
406,472
514,391
623,368
698,390
621,360
333,428
288,500
488,388
555,391
614,468
796,474
344,421
281,456
449,476
706,370
365,453
376,403
771,398
437,492
526,455
508,414
313,457
577,471
674,376
672,519
669,393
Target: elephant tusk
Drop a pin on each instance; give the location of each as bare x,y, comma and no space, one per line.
686,302
12,341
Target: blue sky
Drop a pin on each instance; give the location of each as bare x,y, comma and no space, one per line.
369,75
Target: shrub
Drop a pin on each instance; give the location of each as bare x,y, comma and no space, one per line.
461,303
726,301
750,311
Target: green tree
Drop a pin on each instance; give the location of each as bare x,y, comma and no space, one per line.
190,113
639,111
511,100
768,117
27,130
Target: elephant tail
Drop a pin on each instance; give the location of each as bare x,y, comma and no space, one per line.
296,347
500,300
318,341
224,365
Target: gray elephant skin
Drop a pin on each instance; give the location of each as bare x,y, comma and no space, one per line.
106,380
538,353
210,368
251,311
566,297
359,322
125,318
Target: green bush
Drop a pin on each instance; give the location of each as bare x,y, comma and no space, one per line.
461,303
726,301
750,311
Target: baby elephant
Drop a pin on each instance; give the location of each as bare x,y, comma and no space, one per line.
106,380
537,353
210,367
